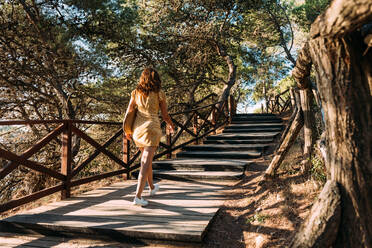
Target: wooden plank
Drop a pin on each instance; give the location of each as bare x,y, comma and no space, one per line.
20,242
97,177
181,211
91,141
142,229
125,209
135,156
34,122
182,128
31,240
17,202
198,108
66,158
99,217
31,151
206,122
109,210
30,164
96,153
187,142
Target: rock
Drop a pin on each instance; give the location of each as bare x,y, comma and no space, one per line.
260,240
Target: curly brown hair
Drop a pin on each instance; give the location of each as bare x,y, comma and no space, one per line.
149,81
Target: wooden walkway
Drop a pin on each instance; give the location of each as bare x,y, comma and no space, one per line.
192,189
181,211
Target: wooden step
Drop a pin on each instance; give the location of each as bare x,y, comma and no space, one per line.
256,117
254,114
227,147
250,121
223,155
252,130
255,125
200,165
238,141
187,175
244,136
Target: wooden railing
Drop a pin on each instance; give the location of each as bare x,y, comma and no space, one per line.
192,126
279,103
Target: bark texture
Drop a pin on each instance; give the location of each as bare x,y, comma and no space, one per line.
309,129
342,79
344,76
342,17
232,72
320,227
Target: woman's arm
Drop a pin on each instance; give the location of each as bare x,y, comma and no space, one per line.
131,106
165,115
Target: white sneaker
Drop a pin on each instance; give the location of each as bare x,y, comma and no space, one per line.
156,189
140,202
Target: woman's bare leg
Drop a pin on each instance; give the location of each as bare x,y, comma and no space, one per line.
150,180
146,162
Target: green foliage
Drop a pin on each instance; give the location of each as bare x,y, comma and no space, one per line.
317,169
259,217
306,13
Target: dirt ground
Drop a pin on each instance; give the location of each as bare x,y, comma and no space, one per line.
267,215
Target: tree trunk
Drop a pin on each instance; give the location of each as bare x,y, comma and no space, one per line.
309,132
320,227
343,76
296,106
288,141
344,81
232,73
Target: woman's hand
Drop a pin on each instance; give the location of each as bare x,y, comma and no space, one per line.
128,136
171,128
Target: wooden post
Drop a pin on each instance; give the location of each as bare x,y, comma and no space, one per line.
266,98
169,142
126,155
195,125
66,159
214,119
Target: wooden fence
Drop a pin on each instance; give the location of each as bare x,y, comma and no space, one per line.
192,126
279,103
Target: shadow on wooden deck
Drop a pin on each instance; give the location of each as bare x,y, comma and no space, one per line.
180,212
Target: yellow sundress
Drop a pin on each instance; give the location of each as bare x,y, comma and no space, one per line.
146,127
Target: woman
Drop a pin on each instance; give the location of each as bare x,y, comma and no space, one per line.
148,97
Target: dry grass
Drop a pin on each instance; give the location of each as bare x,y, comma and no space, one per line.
267,215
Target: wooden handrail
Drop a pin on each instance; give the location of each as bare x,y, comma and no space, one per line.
198,108
35,122
200,122
276,104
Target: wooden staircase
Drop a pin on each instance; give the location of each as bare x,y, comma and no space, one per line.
223,156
